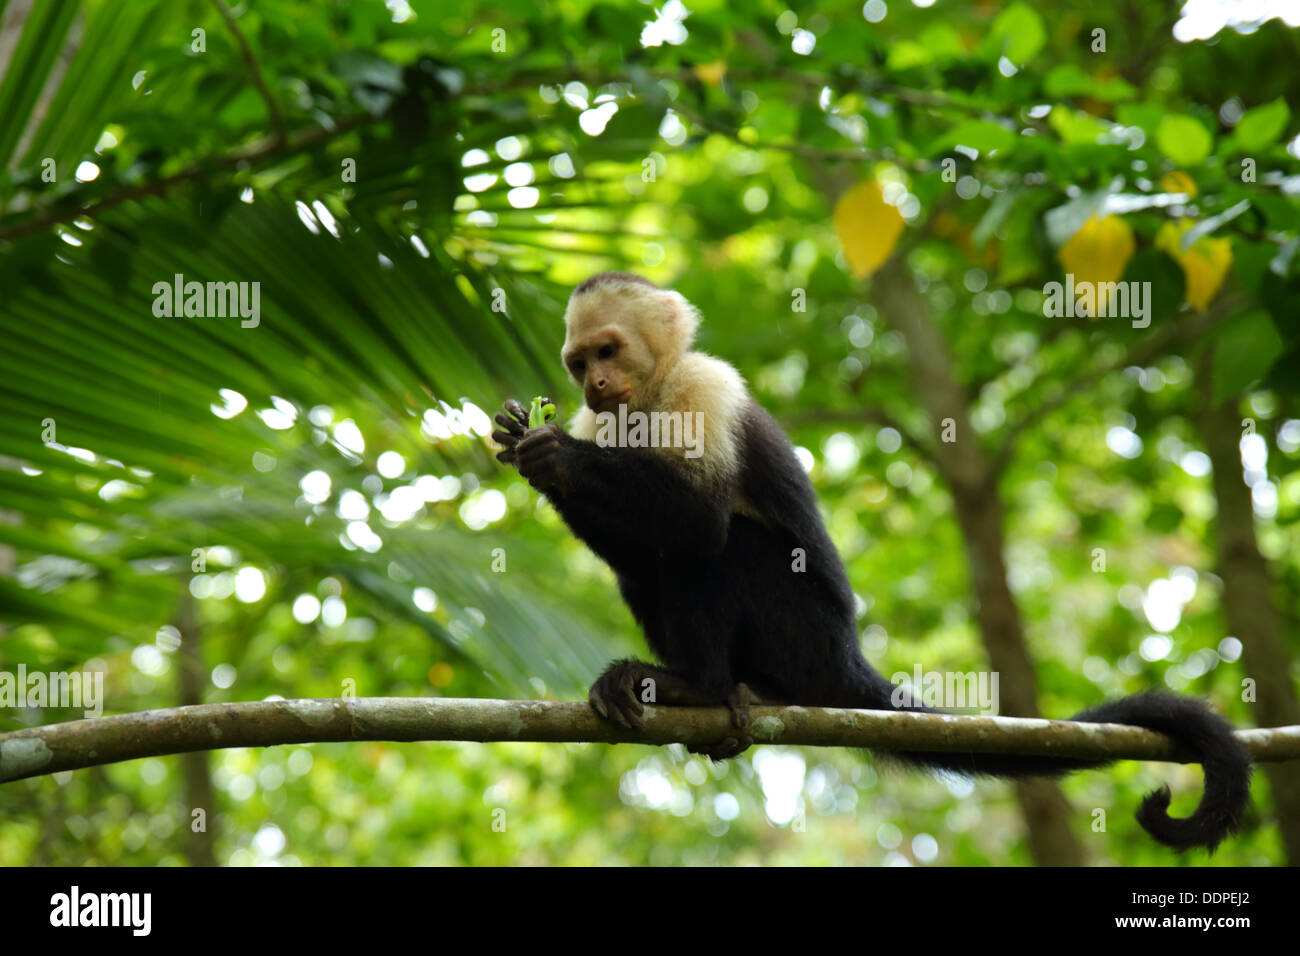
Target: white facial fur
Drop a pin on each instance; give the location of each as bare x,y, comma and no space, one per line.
659,326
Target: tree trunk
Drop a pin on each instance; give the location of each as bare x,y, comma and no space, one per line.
973,481
200,844
1248,604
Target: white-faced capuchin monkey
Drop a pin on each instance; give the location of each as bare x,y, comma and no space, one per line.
702,542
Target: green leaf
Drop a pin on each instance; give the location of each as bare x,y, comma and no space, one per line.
1260,127
1146,115
1279,212
1278,295
1164,518
1076,127
998,211
939,42
1167,285
1284,376
977,134
943,42
1018,33
1069,79
1244,351
1020,254
1250,259
906,54
1183,139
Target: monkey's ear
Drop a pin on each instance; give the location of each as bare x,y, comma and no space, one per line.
684,318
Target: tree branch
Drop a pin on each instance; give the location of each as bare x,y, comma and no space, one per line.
962,462
86,743
861,417
254,69
66,208
1147,350
822,153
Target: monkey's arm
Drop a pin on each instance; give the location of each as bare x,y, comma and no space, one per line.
622,501
625,494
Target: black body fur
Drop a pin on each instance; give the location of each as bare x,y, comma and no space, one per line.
720,605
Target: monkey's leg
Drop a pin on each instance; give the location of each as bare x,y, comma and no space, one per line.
697,638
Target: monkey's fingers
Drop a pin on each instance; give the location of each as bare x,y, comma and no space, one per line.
506,457
505,438
596,701
510,425
517,411
632,708
613,696
538,438
607,705
546,437
619,715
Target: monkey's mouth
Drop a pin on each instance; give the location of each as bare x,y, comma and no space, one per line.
611,403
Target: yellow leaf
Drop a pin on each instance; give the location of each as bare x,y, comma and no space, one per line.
1098,253
711,74
868,227
1205,264
1178,182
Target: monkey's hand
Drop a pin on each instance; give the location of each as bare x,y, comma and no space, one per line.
514,421
537,453
542,458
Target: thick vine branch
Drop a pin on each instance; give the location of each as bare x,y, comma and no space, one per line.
267,723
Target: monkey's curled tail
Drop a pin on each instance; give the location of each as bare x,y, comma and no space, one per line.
1188,721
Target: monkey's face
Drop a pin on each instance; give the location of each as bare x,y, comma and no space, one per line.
619,338
612,367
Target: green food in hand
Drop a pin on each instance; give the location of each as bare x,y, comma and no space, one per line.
539,414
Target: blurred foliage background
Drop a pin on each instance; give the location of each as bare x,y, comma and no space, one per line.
206,511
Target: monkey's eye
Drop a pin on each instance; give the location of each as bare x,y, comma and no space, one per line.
607,351
577,367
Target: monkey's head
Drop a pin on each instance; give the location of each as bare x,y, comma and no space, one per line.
622,334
